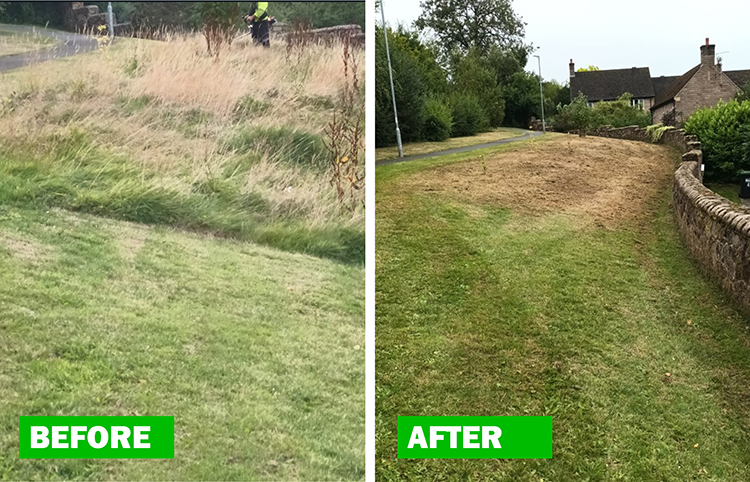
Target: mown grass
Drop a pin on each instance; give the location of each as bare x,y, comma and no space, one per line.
482,311
729,191
417,148
258,353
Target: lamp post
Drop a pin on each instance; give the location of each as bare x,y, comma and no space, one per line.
110,20
393,90
541,93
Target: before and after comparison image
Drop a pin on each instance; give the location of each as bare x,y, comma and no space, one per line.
419,240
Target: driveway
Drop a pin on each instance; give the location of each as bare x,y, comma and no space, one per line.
68,44
458,150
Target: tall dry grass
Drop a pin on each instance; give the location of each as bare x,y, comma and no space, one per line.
173,112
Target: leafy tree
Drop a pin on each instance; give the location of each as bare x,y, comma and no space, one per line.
473,74
410,92
475,24
522,101
555,94
590,68
425,55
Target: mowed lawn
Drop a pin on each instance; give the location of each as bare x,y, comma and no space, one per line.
550,279
418,148
257,353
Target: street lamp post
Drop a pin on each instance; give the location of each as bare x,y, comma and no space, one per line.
110,20
541,93
393,90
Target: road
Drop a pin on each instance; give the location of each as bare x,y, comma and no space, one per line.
458,150
68,44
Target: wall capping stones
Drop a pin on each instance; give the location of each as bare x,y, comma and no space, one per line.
716,231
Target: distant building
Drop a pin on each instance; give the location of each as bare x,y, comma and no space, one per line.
670,99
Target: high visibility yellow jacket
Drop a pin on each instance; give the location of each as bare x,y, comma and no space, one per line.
261,12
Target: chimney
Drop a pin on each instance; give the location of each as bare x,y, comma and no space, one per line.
572,68
708,54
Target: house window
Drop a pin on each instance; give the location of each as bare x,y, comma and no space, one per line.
637,102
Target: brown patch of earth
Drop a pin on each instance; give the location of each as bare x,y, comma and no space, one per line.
607,180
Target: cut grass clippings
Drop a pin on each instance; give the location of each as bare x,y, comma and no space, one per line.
611,330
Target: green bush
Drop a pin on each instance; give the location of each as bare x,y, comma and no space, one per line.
576,116
437,120
469,118
724,131
620,113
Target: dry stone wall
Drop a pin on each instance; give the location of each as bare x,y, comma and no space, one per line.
716,231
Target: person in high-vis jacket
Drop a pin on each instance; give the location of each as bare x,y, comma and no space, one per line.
260,23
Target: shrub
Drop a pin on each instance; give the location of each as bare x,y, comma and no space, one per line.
468,116
437,120
576,116
724,131
620,113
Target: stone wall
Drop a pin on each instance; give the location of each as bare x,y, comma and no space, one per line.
716,231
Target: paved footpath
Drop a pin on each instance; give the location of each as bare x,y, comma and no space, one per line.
68,44
458,150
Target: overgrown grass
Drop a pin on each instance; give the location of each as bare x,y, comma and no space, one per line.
161,133
256,352
482,311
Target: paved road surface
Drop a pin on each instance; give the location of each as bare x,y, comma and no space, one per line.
69,44
457,150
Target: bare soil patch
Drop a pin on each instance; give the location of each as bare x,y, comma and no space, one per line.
608,180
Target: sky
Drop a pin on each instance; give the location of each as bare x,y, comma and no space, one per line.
664,35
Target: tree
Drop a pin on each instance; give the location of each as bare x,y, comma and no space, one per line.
475,24
473,74
590,68
522,100
410,92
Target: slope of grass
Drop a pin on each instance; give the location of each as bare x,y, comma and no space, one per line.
642,363
417,148
159,132
256,352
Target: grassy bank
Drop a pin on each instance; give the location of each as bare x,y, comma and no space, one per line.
171,244
160,132
540,295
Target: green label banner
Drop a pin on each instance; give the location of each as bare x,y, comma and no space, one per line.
96,437
475,437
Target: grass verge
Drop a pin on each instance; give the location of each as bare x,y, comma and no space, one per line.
482,310
417,148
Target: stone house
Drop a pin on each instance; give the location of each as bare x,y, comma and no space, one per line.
670,99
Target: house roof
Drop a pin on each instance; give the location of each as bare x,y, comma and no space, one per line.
661,83
610,84
739,77
675,87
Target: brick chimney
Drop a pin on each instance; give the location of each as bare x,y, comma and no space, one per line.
572,68
708,54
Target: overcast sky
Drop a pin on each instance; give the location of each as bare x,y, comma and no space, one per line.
664,35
